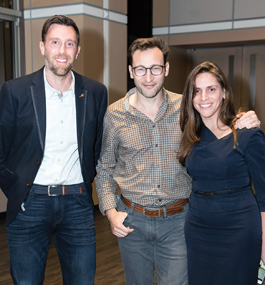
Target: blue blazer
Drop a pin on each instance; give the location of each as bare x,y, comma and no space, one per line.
23,129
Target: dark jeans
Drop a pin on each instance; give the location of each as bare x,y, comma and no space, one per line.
70,220
155,243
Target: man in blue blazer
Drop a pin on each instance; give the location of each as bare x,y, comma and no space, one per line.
50,141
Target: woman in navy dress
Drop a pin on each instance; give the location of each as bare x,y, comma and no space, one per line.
224,223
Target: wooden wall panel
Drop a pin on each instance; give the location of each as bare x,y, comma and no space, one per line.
178,64
92,48
28,50
160,13
200,11
47,3
219,38
249,9
119,6
34,58
117,62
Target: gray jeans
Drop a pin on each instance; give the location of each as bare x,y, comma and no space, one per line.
155,243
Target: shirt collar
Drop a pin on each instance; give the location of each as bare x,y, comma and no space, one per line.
50,91
133,91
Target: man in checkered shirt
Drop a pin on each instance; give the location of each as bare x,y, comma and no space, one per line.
141,137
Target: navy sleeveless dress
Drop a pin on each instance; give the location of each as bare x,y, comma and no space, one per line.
223,229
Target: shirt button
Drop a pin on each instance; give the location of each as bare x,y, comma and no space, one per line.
156,145
158,186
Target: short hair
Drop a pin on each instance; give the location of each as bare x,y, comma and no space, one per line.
60,20
146,43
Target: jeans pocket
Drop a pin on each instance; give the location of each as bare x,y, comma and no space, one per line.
26,201
84,199
122,208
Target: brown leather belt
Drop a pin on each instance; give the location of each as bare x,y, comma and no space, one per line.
156,212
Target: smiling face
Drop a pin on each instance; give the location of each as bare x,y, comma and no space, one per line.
208,97
148,86
60,49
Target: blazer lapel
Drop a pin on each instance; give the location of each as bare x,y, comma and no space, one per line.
39,104
81,106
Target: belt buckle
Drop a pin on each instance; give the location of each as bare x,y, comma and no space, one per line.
49,193
151,209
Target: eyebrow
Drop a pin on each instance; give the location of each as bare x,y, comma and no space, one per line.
67,40
209,86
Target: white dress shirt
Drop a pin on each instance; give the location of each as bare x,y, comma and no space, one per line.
60,164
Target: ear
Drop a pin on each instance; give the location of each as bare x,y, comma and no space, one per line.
131,71
167,69
78,51
41,46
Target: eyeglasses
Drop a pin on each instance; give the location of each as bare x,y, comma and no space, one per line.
155,70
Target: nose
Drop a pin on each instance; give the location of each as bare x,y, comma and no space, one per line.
204,96
62,48
148,75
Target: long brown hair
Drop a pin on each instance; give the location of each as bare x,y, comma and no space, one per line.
190,119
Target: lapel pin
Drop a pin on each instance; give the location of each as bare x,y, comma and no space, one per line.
82,95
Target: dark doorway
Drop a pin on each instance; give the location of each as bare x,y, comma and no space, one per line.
6,4
140,21
6,51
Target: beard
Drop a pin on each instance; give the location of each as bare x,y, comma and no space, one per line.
149,93
56,70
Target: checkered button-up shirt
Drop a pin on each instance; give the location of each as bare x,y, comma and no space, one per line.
140,155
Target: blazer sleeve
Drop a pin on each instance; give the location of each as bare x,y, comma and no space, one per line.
7,128
255,158
101,113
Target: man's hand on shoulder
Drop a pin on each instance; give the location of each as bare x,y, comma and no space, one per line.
247,120
116,220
